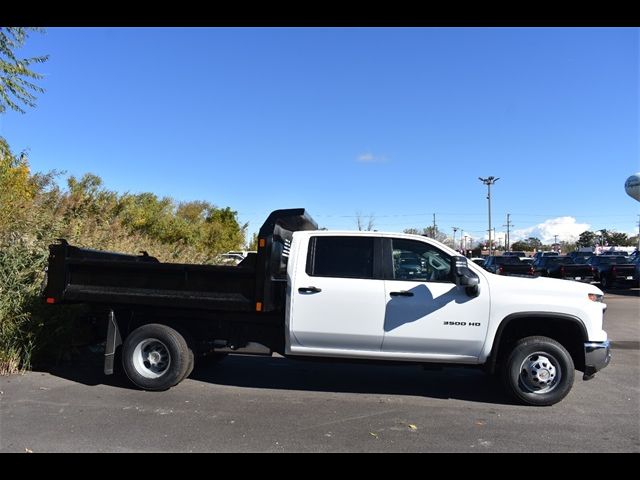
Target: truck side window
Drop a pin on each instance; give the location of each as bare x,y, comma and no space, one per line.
420,262
350,257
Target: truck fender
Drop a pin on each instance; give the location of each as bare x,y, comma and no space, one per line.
493,356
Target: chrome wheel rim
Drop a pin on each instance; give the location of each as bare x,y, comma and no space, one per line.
151,358
540,373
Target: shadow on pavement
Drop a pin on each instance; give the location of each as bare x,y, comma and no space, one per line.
86,367
277,373
624,292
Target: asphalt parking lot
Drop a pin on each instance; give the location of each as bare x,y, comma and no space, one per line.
255,404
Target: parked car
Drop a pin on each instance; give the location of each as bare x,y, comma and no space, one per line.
562,267
479,261
612,271
537,255
580,257
501,265
636,275
617,253
514,254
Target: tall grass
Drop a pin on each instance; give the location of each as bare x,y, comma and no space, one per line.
35,211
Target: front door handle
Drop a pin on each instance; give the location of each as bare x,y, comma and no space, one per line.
309,290
402,293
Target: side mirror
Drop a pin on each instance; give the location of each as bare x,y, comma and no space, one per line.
463,276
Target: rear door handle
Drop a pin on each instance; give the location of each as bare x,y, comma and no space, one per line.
309,290
402,293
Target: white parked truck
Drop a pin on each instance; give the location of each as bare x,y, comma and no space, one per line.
348,295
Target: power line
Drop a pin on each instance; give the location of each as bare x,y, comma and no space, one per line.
394,215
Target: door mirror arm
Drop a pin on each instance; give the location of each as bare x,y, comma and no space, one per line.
463,276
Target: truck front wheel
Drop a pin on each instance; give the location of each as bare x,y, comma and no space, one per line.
156,357
539,371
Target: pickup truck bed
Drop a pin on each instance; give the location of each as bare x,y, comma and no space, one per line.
579,272
508,265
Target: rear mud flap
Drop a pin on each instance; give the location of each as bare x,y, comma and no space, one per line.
113,342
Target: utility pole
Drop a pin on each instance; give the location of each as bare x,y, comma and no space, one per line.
455,229
508,225
638,232
433,232
488,182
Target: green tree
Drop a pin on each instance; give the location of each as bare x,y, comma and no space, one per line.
531,243
17,87
534,243
253,244
619,239
586,239
520,246
566,247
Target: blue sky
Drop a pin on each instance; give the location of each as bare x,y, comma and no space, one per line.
394,122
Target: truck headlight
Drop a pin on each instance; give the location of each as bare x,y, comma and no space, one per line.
594,297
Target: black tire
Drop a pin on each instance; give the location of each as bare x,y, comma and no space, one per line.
190,365
156,357
605,284
539,371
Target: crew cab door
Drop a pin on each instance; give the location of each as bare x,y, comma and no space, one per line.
337,299
426,313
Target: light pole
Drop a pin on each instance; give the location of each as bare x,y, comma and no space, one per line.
455,229
488,182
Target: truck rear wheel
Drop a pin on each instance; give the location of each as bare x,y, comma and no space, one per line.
191,364
156,357
539,371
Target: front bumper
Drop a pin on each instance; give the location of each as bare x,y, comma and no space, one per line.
597,356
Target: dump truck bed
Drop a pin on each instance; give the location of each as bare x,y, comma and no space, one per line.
84,275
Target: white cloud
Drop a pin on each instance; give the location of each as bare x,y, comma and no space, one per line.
566,228
369,157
